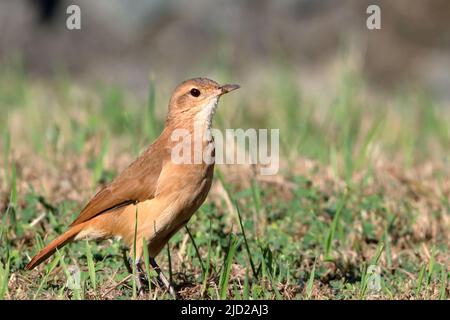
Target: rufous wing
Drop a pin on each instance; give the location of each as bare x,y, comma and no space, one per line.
136,183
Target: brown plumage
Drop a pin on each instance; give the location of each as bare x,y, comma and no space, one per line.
162,193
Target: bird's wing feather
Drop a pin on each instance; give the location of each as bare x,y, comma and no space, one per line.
136,183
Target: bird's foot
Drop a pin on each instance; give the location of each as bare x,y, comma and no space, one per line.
141,280
162,278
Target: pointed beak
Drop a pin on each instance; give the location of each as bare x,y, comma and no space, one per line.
228,88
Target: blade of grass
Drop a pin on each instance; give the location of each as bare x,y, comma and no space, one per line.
376,257
387,244
332,231
12,207
266,271
431,266
237,294
363,284
369,138
196,250
225,276
443,283
4,277
309,285
4,227
6,151
91,267
420,279
148,270
246,289
247,248
208,265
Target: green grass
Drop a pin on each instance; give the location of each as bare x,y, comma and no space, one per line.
91,266
363,182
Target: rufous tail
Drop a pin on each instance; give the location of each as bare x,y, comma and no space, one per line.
54,245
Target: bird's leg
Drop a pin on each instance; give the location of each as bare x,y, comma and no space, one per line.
126,261
162,277
139,278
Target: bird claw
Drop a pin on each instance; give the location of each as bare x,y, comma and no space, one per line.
143,282
162,278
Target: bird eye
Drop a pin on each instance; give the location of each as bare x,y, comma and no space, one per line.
195,92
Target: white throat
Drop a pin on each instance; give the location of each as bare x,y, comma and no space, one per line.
203,119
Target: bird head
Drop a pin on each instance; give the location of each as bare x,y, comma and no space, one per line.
196,99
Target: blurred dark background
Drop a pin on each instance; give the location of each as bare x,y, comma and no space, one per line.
125,41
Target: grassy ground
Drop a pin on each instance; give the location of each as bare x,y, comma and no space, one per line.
364,185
